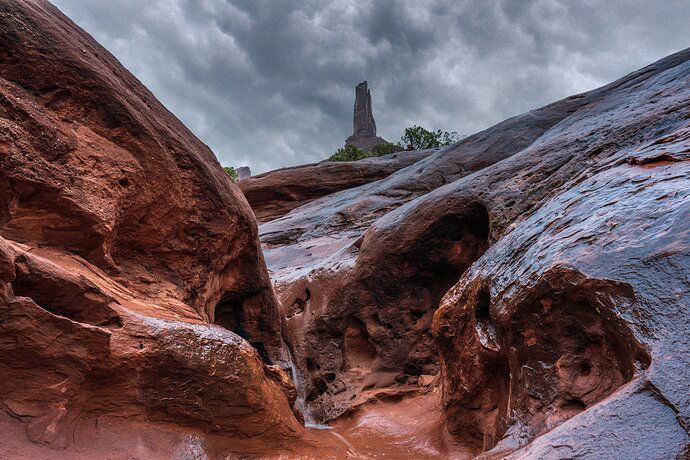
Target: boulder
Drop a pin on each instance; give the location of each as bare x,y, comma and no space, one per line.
121,242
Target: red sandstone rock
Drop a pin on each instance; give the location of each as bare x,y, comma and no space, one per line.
92,163
556,243
121,240
275,193
573,219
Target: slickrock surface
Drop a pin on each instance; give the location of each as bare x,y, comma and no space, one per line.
278,192
121,241
522,293
563,235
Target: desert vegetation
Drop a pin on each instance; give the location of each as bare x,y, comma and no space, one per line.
413,138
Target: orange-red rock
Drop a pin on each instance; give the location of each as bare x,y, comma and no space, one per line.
275,193
522,293
121,242
564,231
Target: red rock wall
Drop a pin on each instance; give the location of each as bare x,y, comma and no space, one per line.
121,240
275,193
93,163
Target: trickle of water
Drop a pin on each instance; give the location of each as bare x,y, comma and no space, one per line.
301,402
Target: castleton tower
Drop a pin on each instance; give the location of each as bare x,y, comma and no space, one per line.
364,134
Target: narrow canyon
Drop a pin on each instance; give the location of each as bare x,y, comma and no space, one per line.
521,293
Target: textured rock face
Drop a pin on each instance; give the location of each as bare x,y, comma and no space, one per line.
562,234
363,120
86,152
276,193
566,323
520,294
121,240
364,133
243,172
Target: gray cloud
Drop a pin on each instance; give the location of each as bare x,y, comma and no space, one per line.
271,83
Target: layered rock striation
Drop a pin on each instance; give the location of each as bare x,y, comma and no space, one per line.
275,193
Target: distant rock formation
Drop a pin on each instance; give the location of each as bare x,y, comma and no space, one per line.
243,172
364,133
275,193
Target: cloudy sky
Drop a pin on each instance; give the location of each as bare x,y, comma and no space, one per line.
270,83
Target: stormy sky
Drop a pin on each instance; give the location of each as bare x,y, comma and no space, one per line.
270,83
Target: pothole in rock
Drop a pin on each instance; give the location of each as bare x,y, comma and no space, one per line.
359,353
549,357
374,332
299,305
230,314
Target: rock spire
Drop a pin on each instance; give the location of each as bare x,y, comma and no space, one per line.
364,132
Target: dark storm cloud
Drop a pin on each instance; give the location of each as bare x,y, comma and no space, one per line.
270,83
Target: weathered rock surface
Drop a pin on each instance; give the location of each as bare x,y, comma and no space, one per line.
275,193
565,233
364,133
243,172
93,163
121,241
522,293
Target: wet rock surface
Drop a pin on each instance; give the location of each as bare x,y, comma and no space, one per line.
562,235
93,163
121,242
522,293
275,193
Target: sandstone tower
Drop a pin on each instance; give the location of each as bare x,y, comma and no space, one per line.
364,133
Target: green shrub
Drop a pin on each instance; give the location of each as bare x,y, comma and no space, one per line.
415,136
385,149
420,138
348,153
230,171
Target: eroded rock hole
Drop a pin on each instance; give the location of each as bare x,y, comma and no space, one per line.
297,308
570,351
229,313
574,405
299,305
557,352
462,238
585,368
312,365
358,349
484,326
318,387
